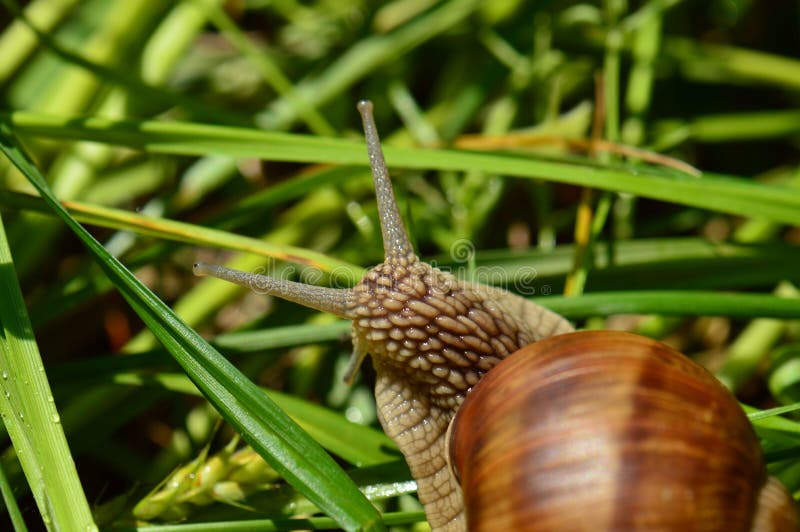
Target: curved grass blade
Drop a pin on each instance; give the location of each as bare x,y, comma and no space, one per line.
261,423
275,525
714,192
675,303
121,77
244,342
198,235
30,415
357,444
777,411
775,428
10,502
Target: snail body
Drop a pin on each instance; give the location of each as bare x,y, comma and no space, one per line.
433,337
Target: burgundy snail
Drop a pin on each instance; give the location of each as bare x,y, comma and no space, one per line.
593,430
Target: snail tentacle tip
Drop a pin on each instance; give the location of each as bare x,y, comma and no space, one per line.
200,269
364,106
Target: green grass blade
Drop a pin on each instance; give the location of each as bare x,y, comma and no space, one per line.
185,232
11,503
18,43
714,62
674,303
778,411
274,525
713,191
357,444
276,337
642,264
262,424
365,57
124,78
779,429
30,415
245,342
732,127
269,71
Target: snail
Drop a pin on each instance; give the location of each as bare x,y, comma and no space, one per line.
594,426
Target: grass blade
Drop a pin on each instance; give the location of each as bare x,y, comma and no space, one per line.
714,192
357,444
675,303
30,415
274,525
11,503
177,231
260,422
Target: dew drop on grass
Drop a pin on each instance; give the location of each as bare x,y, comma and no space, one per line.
55,418
5,374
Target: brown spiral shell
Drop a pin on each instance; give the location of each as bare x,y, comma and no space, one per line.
604,430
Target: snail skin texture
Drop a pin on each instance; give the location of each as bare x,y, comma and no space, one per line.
432,338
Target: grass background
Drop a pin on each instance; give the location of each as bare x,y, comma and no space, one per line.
541,146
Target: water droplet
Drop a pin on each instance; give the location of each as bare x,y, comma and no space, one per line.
5,374
8,394
55,418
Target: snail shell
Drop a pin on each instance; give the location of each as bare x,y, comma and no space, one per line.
605,430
